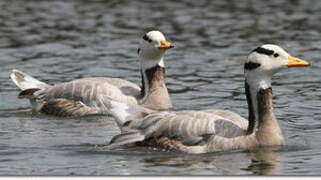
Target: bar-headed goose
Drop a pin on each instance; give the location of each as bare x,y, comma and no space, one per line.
213,130
90,95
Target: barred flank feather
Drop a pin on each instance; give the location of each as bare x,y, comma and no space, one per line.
64,107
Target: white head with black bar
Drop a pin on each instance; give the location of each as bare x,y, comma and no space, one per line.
152,49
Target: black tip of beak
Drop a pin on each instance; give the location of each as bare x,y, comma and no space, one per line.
171,46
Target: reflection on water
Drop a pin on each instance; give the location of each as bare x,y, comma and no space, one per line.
58,41
265,161
259,161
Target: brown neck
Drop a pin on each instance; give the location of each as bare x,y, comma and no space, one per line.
269,132
265,107
155,95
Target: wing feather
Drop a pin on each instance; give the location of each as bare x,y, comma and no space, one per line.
189,127
93,92
64,107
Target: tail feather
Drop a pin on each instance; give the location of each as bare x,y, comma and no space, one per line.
25,81
124,113
28,85
119,112
126,138
28,93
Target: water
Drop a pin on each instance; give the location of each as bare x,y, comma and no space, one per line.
57,41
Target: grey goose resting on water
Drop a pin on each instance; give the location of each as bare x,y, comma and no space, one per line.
90,95
212,130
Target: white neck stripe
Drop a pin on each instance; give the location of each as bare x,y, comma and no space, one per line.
256,84
147,64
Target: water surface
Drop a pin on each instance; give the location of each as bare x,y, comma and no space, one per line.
57,41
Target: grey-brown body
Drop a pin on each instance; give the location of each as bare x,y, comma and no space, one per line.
89,96
187,131
93,93
190,131
213,130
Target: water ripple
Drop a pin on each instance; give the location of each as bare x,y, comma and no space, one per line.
58,41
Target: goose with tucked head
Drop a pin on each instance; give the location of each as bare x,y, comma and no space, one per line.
89,96
213,130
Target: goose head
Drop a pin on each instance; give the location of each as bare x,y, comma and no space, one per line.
152,48
266,60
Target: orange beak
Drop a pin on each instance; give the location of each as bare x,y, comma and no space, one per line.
165,45
294,62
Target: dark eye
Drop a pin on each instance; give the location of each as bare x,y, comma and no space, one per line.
276,55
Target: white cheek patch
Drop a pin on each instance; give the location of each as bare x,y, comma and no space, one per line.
257,81
148,63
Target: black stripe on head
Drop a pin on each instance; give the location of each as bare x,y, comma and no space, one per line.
261,50
251,65
138,50
146,38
